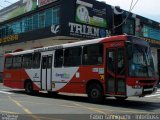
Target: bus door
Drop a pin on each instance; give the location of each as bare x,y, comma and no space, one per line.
115,76
46,72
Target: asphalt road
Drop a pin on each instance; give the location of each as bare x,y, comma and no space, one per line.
42,106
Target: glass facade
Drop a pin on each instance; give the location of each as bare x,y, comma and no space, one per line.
151,32
128,27
41,19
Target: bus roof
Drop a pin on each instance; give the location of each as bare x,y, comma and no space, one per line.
85,42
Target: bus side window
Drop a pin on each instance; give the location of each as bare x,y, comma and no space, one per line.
27,61
8,63
36,60
58,58
72,56
93,54
17,60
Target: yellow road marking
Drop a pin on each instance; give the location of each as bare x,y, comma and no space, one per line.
24,109
48,104
76,105
9,112
89,108
34,102
47,118
68,106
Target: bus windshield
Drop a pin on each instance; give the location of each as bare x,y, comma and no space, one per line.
140,61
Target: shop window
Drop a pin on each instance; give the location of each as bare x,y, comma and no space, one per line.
56,16
35,21
128,27
41,20
48,17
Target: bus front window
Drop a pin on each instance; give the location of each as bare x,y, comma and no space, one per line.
151,70
140,61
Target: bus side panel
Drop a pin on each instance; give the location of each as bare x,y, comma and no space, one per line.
34,76
12,78
84,74
16,79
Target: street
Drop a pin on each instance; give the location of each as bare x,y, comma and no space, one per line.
43,106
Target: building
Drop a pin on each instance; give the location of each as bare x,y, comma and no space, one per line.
26,25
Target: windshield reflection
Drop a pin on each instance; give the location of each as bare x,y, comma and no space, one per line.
140,61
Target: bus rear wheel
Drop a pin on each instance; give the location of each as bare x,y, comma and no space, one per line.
29,87
95,93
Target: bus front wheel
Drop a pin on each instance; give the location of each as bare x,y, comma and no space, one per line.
29,87
95,93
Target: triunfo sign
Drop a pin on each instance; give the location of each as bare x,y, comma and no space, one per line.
44,2
86,31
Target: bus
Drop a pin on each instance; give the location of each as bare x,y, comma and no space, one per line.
119,66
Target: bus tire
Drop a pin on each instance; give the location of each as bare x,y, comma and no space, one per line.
95,93
121,98
29,87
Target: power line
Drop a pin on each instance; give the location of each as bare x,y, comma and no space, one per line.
131,8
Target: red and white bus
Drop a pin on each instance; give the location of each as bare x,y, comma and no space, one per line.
119,66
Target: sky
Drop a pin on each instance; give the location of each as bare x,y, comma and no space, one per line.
145,8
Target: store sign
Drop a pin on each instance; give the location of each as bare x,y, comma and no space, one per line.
90,14
44,2
86,31
55,29
9,39
152,41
